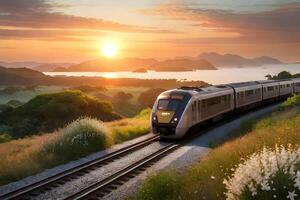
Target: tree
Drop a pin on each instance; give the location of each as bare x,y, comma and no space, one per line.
269,77
284,75
147,98
122,97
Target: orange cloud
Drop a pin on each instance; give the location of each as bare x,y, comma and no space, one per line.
280,24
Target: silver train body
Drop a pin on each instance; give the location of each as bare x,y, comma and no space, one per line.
177,111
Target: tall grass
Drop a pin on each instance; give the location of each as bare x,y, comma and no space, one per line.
28,156
205,179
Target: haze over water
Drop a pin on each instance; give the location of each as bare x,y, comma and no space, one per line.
220,76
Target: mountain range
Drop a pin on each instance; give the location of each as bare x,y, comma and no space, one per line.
232,60
132,64
207,61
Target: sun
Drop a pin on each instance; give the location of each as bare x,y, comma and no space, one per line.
109,49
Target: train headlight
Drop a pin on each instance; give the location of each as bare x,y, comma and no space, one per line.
175,119
154,118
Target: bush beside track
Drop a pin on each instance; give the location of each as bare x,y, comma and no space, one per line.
24,157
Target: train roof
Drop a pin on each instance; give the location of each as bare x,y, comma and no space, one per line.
243,84
204,90
267,81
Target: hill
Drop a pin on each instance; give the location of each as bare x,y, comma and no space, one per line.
182,64
132,64
231,60
21,76
27,64
49,67
109,65
48,112
24,76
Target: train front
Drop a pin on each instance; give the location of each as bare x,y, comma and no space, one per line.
169,117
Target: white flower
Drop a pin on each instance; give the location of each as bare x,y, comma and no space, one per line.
256,172
291,195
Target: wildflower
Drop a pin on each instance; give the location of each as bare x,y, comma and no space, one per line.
256,173
291,195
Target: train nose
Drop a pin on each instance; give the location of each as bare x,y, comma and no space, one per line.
164,116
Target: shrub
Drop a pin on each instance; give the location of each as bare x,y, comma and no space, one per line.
122,97
5,138
266,175
81,137
147,99
164,185
292,101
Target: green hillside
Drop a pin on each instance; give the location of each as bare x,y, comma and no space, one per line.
48,112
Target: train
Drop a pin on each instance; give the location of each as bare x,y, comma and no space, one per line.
179,111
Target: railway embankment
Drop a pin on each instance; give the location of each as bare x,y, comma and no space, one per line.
260,159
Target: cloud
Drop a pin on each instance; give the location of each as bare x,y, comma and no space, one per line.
40,14
279,24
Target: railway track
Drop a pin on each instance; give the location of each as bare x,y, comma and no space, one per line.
105,186
59,179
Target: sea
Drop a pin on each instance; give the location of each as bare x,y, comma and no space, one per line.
219,76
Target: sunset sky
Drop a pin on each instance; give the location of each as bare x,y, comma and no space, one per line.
73,30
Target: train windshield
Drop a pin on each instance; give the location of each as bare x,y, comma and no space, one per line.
168,104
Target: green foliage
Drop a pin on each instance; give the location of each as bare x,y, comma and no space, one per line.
81,137
164,185
89,88
122,97
14,103
292,101
5,138
48,112
282,75
147,98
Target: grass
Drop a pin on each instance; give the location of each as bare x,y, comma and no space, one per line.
204,180
28,156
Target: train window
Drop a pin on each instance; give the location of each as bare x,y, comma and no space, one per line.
213,101
288,85
270,88
249,92
199,106
168,104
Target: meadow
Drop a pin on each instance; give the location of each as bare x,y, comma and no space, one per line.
205,180
27,156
